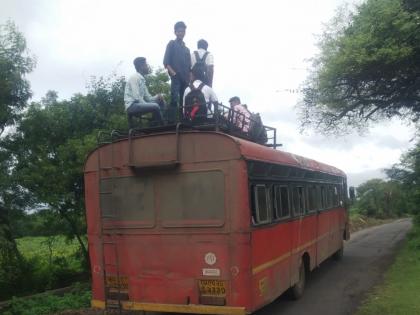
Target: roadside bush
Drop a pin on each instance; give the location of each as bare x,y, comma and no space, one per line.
46,276
414,234
14,274
42,263
47,303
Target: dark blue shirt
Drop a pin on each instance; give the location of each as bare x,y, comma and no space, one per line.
177,55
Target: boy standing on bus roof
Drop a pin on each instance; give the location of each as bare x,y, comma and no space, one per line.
177,61
201,55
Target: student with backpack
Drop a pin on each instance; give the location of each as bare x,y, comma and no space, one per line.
198,97
201,55
250,123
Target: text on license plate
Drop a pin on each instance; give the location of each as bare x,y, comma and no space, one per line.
115,282
212,287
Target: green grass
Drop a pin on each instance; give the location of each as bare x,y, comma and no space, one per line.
39,247
400,292
48,263
44,304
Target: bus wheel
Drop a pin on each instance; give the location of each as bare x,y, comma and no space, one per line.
296,291
338,255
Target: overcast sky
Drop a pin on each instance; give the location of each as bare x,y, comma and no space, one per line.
261,51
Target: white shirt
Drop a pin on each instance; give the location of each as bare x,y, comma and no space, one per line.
136,90
208,92
209,59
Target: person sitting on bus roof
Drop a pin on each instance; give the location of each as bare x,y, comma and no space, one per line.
241,115
198,97
137,98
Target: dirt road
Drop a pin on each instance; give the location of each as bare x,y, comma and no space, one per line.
338,288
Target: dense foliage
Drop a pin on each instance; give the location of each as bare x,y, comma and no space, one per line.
15,63
381,199
53,140
398,195
407,174
78,297
367,68
42,159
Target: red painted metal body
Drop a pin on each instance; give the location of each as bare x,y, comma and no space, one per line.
162,263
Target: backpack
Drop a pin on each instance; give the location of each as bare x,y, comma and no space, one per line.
195,103
202,61
257,130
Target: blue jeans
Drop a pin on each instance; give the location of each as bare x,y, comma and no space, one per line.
178,87
137,109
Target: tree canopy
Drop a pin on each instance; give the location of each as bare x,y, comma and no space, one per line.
53,139
367,68
15,63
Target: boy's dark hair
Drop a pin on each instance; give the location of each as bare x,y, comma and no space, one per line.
235,98
202,43
138,62
198,71
179,24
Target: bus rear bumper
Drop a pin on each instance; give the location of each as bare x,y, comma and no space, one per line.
175,308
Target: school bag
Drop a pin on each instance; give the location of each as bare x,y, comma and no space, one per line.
195,103
202,61
257,130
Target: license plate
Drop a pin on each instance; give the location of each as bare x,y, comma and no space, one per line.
115,282
212,287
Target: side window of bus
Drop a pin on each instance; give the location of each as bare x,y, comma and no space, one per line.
281,202
336,197
330,196
323,198
298,200
312,198
340,196
261,209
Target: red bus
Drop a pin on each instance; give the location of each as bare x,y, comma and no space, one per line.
205,222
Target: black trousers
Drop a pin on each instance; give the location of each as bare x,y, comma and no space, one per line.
178,87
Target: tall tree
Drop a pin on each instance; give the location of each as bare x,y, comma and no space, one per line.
367,68
52,141
380,198
407,173
15,63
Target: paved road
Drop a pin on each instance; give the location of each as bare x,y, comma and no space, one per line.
337,288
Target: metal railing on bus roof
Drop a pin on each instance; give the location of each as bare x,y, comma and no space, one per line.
215,117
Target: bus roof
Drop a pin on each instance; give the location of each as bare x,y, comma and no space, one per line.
254,151
226,144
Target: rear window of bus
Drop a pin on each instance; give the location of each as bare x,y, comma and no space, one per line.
177,199
192,199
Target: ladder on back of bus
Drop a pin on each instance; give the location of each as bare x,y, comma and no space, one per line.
112,286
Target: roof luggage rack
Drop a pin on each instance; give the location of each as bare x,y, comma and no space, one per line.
216,117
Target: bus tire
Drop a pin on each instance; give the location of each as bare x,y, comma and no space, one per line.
338,255
296,291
